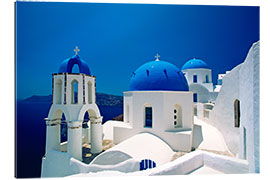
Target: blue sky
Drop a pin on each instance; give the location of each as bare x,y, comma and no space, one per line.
115,39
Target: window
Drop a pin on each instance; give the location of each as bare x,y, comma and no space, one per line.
207,78
148,117
194,78
74,92
195,97
236,113
177,116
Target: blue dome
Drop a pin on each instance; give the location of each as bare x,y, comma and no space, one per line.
158,76
67,65
195,64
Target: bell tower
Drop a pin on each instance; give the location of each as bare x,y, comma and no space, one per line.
74,104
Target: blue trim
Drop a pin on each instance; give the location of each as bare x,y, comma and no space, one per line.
67,65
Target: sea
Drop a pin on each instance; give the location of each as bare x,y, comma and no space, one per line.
30,135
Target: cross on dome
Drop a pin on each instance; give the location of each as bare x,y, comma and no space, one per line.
157,57
76,50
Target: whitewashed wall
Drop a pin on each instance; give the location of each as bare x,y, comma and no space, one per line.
241,83
249,96
162,103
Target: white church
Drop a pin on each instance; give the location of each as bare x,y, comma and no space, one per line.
175,121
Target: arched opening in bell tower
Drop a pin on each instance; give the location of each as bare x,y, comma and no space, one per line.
58,91
59,135
89,85
63,130
87,156
86,129
74,91
75,68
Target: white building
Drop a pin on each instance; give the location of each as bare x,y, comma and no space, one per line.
73,98
199,78
236,110
158,103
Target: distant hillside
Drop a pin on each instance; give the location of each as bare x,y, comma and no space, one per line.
102,99
36,98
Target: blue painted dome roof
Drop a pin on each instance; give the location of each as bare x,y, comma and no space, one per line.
195,64
158,76
67,65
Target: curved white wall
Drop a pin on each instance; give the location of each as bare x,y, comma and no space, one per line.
59,164
222,115
145,146
111,158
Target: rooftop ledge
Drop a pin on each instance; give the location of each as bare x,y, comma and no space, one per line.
157,91
73,74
